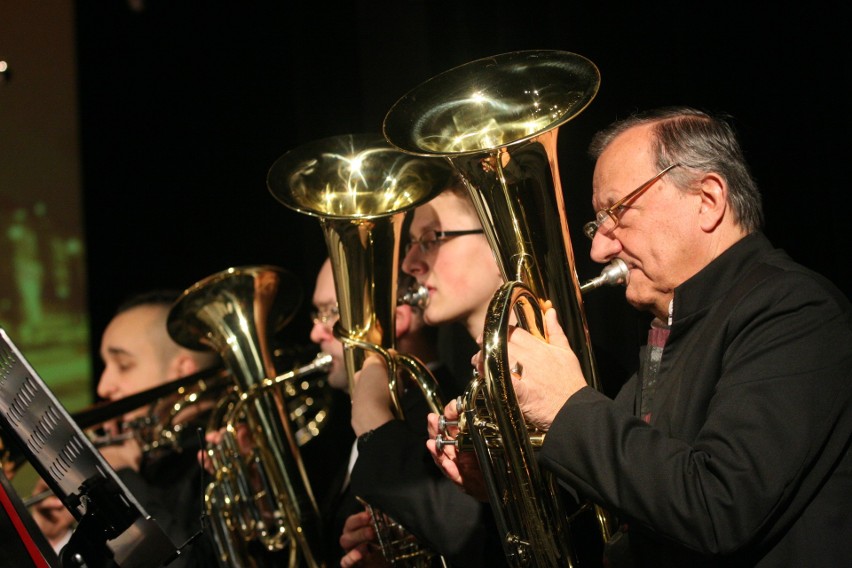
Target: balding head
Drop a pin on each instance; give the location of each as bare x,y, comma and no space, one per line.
139,354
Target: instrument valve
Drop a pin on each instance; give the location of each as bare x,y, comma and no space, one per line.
519,548
443,423
443,439
440,442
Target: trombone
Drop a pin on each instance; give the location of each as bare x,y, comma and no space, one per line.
214,380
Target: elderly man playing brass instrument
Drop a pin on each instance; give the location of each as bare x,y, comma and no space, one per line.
731,444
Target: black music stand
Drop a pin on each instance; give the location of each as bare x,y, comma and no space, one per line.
112,526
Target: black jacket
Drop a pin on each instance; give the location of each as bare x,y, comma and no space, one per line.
746,460
169,487
395,473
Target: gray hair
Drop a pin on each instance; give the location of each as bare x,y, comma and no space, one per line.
698,142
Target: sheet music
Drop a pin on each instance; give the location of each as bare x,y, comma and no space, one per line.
72,467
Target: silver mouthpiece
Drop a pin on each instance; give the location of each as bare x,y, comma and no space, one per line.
615,273
416,297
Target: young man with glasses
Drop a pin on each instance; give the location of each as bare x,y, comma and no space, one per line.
731,444
449,255
413,337
324,316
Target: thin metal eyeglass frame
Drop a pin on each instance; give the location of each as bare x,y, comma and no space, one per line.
327,316
440,237
590,229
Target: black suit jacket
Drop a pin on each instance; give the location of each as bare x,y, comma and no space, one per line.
395,473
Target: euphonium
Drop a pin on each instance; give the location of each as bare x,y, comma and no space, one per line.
237,312
237,499
496,121
359,188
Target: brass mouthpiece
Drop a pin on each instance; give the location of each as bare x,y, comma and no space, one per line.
416,297
615,273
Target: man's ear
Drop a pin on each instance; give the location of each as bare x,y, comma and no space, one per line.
713,191
184,364
404,316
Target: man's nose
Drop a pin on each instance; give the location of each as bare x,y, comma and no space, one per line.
412,262
320,332
106,386
604,248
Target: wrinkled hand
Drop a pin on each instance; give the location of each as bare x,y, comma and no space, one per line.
371,402
461,467
359,542
51,516
550,372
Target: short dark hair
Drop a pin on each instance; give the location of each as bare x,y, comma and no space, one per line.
160,297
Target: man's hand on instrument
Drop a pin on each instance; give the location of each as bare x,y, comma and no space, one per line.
240,432
462,468
359,542
545,375
371,403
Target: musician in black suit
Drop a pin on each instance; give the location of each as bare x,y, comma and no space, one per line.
449,255
731,444
139,354
337,500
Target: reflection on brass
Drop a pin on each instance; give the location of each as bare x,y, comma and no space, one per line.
260,500
496,121
360,188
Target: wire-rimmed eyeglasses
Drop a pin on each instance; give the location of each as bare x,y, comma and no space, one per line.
607,219
327,315
430,240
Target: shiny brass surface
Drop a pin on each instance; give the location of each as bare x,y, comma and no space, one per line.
238,499
496,121
615,273
307,397
261,500
505,100
359,188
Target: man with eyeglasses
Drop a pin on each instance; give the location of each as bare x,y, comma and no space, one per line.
413,337
731,444
324,316
450,258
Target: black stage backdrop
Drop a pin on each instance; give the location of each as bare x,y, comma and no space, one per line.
185,106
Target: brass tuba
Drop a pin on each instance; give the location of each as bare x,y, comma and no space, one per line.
262,502
359,187
496,120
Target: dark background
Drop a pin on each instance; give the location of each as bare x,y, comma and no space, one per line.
185,106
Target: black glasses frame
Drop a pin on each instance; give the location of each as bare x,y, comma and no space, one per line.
427,245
